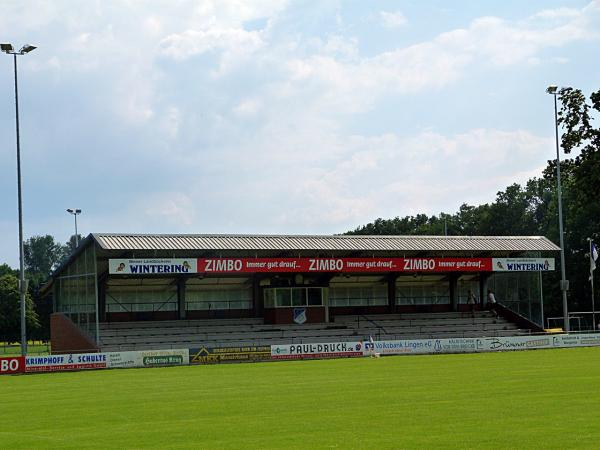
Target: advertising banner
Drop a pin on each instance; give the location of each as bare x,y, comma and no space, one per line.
490,344
321,265
156,358
151,266
12,364
55,363
123,360
148,358
311,351
522,264
215,355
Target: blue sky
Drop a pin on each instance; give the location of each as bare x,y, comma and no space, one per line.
275,116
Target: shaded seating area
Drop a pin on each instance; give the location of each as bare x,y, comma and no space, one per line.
122,336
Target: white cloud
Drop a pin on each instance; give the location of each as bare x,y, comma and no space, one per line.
247,108
392,19
174,208
191,42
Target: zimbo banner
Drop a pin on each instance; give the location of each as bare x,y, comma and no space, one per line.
12,364
320,265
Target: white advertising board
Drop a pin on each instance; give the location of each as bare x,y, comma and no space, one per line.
148,358
490,344
55,363
151,358
522,264
324,350
152,266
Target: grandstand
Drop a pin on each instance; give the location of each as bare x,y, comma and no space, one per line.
133,291
124,336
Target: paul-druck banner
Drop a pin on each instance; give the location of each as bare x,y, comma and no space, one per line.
321,265
325,350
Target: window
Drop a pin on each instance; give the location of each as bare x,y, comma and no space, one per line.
296,296
423,290
358,294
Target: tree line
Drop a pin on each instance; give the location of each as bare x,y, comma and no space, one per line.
532,209
41,256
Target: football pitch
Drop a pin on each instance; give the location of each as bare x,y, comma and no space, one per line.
528,399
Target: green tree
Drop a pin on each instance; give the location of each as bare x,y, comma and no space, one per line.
42,254
10,310
5,269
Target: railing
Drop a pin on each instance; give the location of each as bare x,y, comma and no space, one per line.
530,310
133,307
217,305
33,348
356,302
379,327
583,321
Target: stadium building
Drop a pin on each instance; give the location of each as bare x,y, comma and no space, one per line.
138,291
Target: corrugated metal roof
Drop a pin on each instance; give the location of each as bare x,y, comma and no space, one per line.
199,242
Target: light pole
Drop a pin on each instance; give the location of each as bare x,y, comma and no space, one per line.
9,50
564,283
75,212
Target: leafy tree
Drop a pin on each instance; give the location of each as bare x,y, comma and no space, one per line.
5,269
10,307
42,254
533,209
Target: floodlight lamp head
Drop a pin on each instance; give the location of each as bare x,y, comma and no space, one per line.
77,211
69,210
6,48
27,48
552,89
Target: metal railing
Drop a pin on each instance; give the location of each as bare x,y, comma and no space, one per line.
578,321
217,305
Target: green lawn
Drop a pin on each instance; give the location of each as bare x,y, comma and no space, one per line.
531,399
33,348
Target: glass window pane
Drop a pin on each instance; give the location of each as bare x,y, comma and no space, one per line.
299,297
284,297
314,296
269,298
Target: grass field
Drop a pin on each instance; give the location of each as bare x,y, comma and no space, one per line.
33,348
533,399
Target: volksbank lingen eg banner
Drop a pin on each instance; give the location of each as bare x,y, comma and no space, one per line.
321,265
325,350
472,345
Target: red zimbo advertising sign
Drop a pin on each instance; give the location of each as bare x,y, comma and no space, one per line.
256,265
10,365
319,265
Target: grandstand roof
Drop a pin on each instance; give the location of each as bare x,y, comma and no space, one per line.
200,242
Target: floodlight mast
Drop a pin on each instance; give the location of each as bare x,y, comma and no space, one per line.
75,212
564,283
9,50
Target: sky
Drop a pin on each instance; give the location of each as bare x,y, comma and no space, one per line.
274,116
